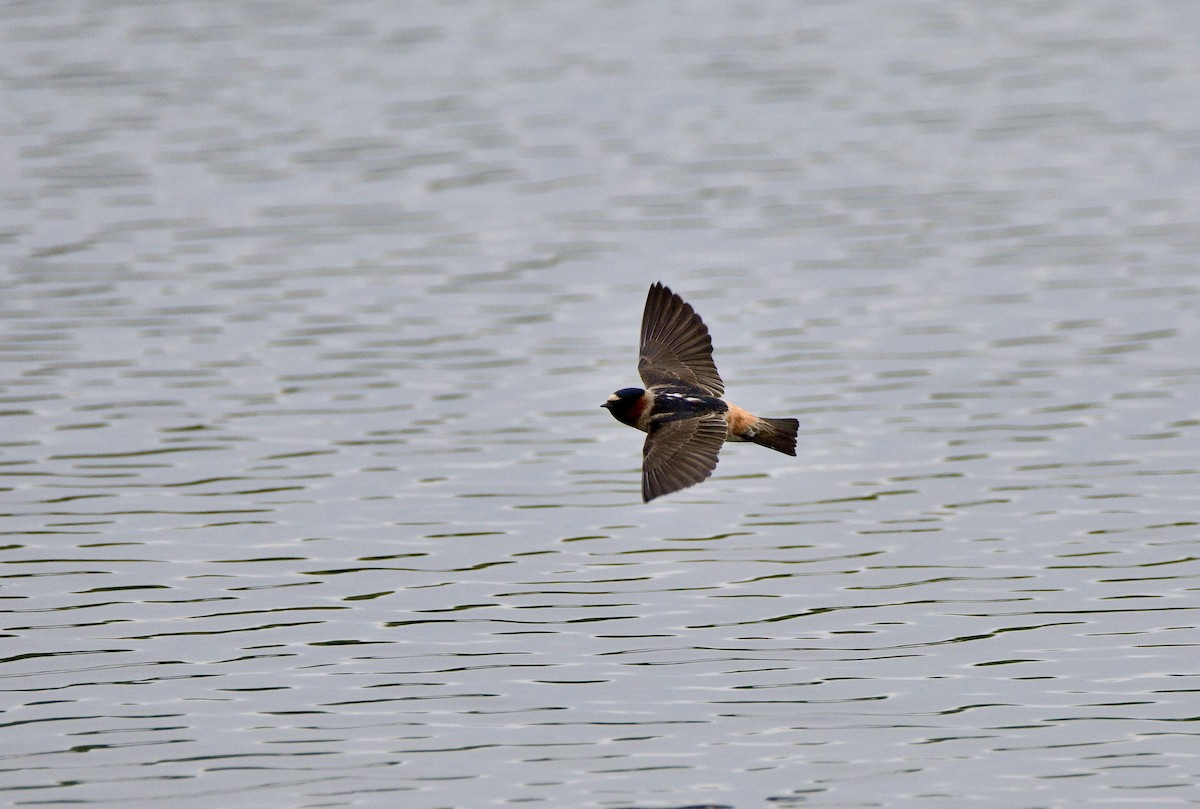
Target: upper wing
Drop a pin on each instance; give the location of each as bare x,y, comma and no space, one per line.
675,344
680,453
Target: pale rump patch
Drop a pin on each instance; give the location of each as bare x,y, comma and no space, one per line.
740,422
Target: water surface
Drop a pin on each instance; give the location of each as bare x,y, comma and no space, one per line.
307,315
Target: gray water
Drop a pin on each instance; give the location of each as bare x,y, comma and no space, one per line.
308,309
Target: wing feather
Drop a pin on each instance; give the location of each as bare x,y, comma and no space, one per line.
675,345
680,453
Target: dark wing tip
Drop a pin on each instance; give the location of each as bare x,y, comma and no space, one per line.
656,485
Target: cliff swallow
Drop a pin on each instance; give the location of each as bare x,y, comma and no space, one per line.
681,410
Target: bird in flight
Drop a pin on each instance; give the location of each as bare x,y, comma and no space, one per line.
681,410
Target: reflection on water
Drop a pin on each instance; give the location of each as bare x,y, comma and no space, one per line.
306,321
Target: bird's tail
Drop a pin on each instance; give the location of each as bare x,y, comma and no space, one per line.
777,434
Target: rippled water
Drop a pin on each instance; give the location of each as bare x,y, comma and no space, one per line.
307,314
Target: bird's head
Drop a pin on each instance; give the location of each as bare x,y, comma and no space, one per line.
626,405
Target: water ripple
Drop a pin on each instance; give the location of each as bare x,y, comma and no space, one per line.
307,315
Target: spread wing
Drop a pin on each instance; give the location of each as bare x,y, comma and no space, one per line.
675,344
680,453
